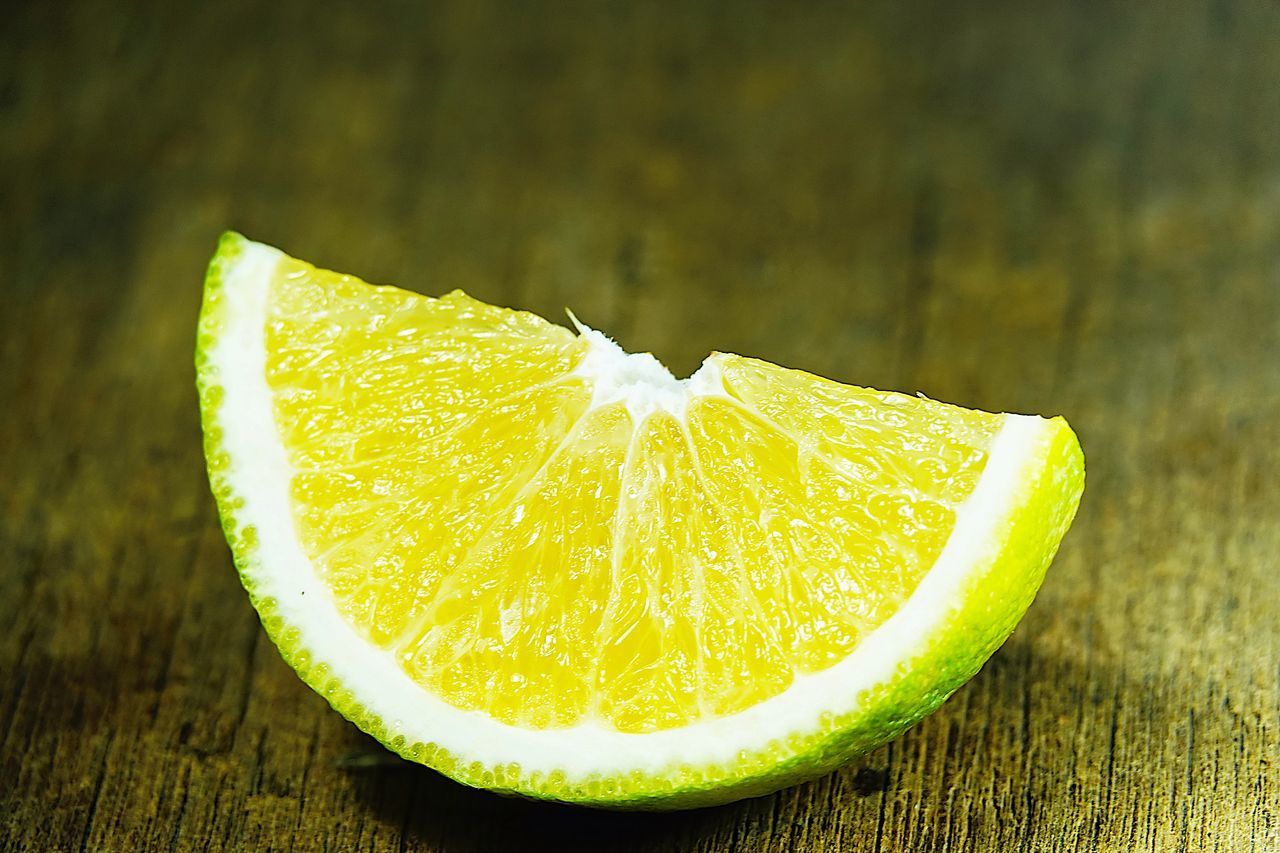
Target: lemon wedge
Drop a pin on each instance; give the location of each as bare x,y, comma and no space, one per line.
541,565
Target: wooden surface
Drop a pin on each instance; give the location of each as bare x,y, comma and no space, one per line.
1048,207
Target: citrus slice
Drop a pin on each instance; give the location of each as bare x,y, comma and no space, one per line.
544,566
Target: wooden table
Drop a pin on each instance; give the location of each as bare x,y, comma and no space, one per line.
1033,206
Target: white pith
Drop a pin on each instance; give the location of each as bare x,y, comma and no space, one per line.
260,474
639,380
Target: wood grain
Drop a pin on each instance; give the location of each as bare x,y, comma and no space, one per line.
1047,207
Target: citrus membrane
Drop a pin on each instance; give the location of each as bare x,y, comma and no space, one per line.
542,565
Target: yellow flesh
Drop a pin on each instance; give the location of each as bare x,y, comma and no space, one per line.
529,556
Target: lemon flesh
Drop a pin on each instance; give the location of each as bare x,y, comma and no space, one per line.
529,527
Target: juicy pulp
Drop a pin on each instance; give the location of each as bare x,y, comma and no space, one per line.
531,552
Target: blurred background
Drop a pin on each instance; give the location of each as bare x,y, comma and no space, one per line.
1042,207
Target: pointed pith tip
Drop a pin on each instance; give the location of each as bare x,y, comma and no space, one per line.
573,318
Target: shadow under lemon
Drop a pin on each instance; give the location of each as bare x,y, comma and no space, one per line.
963,745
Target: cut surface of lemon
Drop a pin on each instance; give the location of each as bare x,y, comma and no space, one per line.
544,566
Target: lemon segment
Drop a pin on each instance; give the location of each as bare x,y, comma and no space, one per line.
543,565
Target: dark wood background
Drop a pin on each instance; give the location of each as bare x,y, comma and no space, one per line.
1034,206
